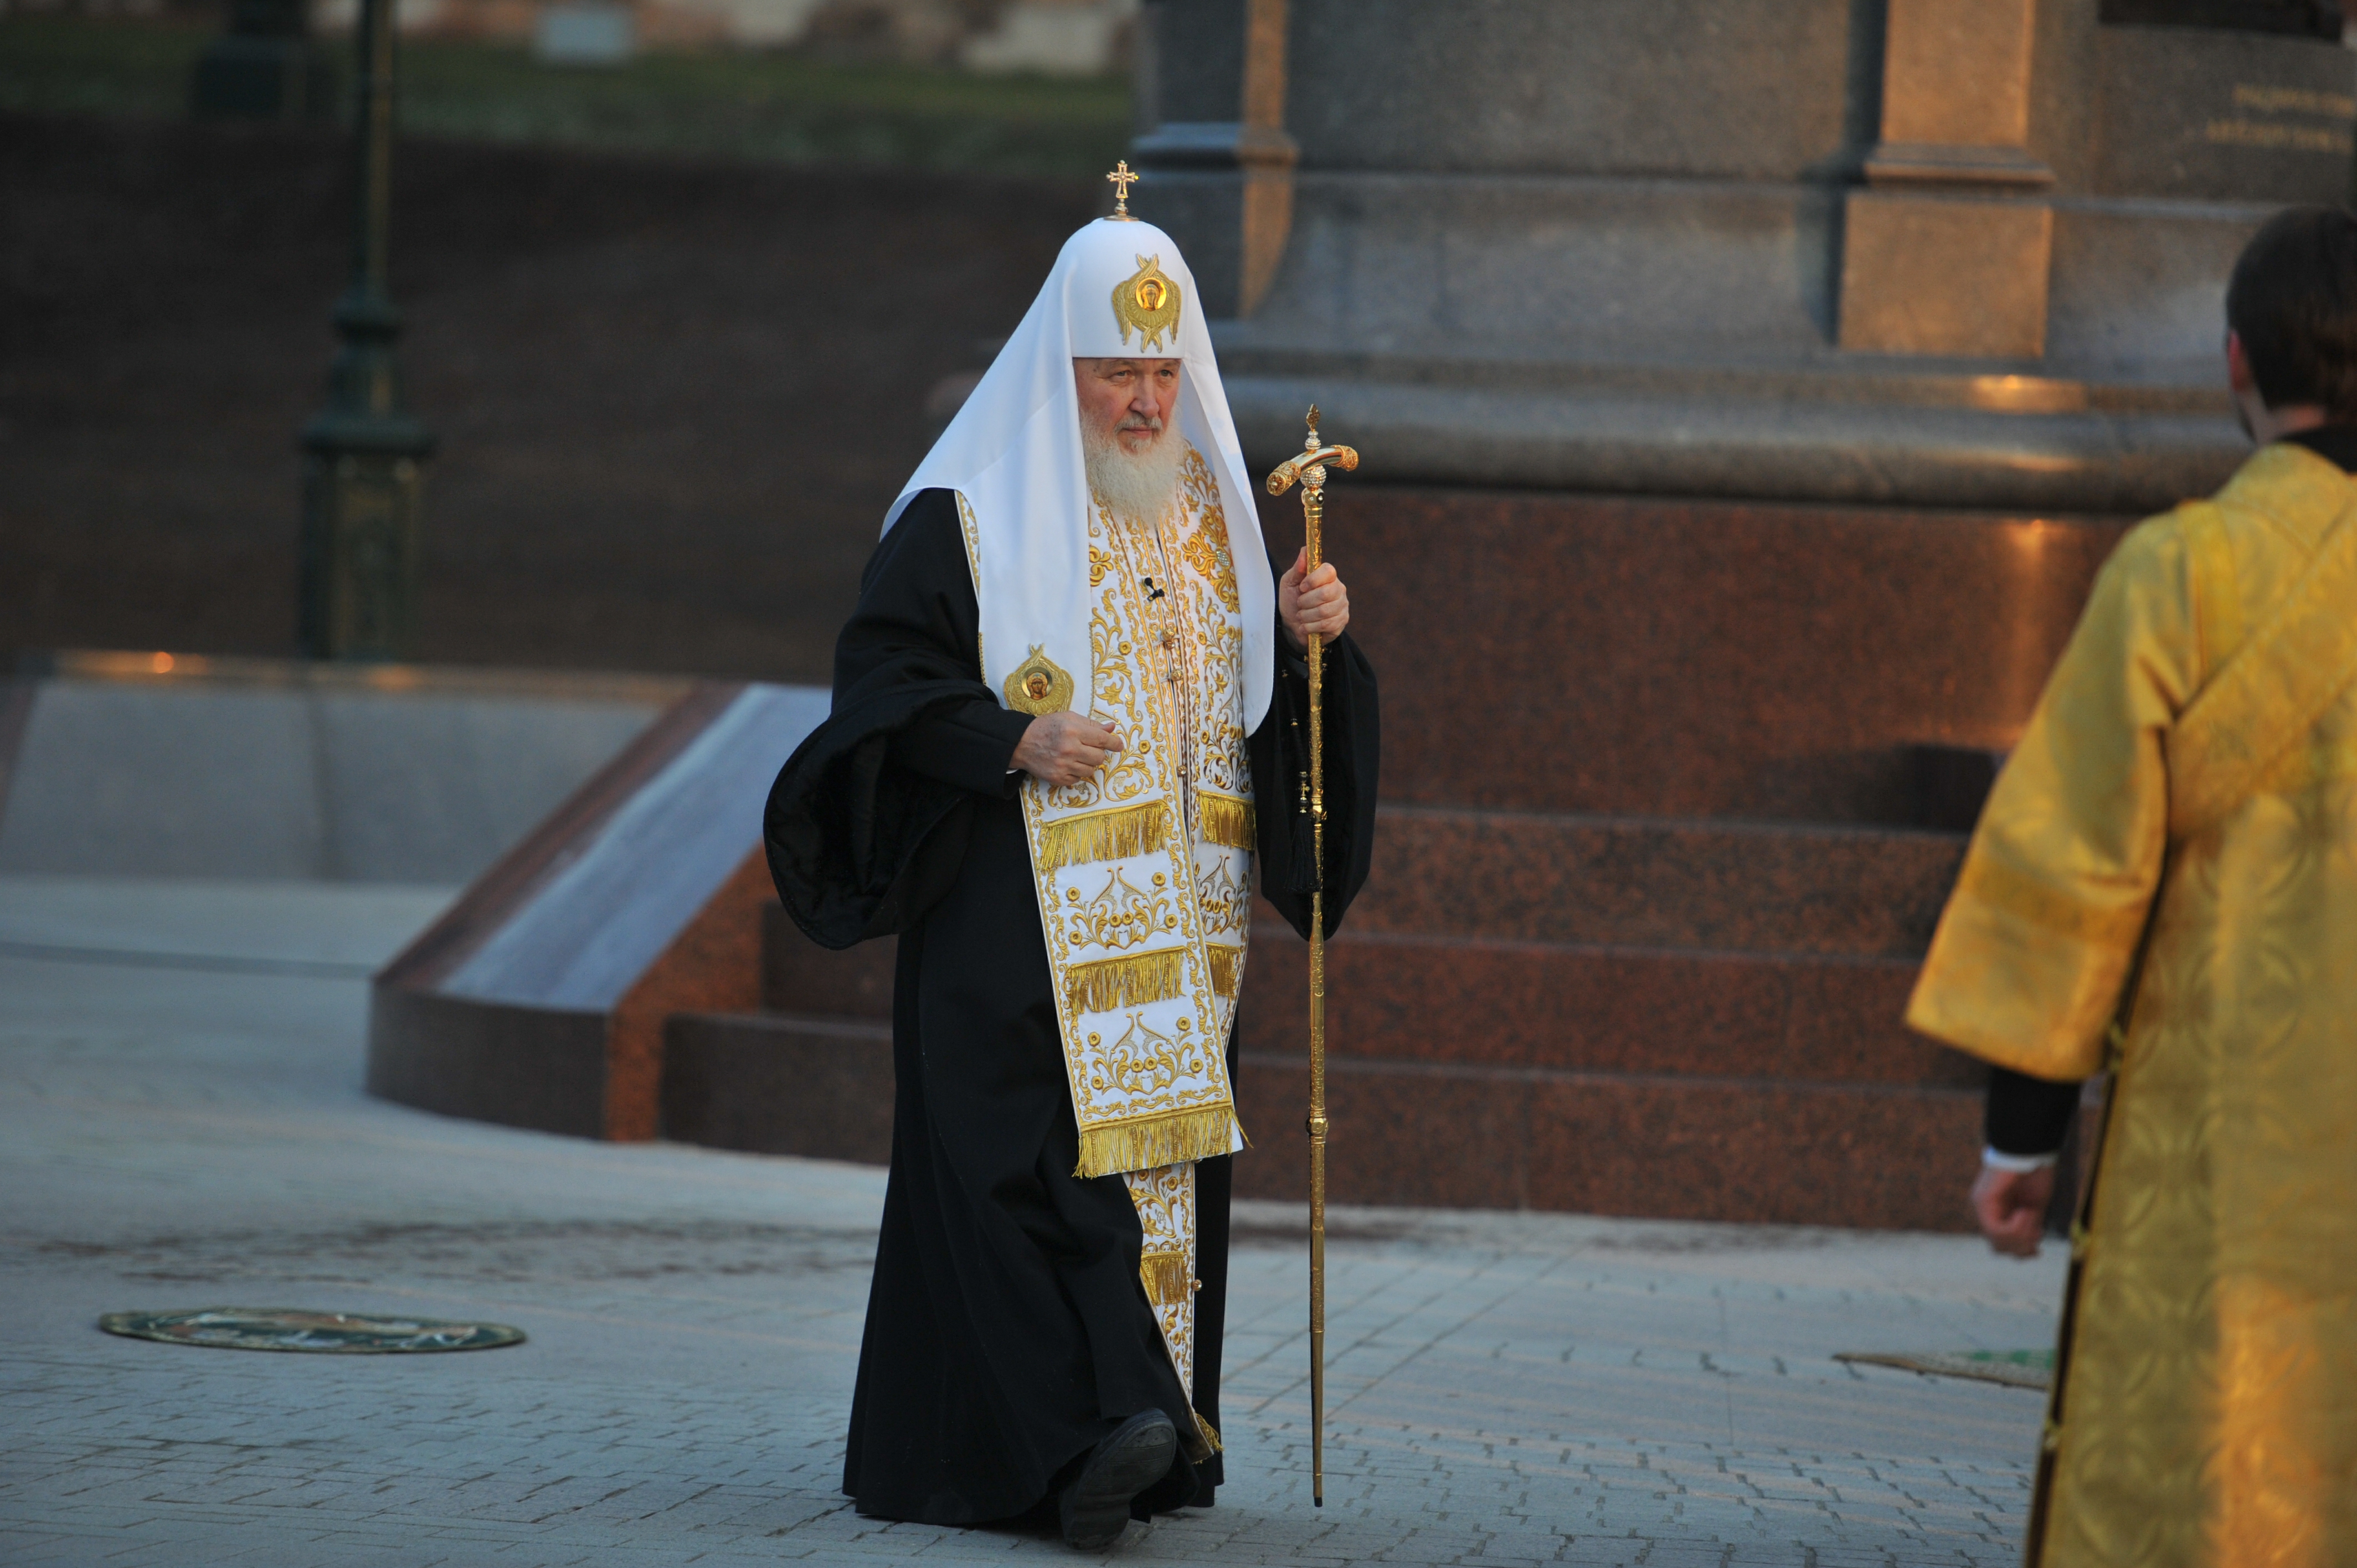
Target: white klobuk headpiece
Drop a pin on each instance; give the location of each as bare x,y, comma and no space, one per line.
1119,290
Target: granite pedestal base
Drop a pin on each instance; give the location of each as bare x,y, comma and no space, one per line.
541,998
1473,1064
1674,792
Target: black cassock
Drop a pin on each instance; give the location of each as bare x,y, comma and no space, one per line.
1007,1329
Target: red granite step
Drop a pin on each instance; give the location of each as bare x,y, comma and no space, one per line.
1501,876
1733,886
800,976
1611,1016
1801,1017
772,1083
1608,1080
1663,1146
1418,1133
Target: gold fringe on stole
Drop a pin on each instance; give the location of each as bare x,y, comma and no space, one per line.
1115,835
1225,821
1227,962
1203,1442
1145,1142
1131,982
1169,1281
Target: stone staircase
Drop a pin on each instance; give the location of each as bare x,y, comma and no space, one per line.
1672,792
809,1074
1686,1019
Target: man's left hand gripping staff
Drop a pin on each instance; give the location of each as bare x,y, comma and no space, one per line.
1319,605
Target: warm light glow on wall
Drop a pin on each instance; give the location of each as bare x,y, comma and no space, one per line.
2027,395
2029,658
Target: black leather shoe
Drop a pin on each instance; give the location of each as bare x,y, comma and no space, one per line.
1094,1506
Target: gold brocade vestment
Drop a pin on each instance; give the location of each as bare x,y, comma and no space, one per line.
2189,781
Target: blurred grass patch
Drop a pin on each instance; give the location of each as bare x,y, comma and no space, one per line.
68,65
744,104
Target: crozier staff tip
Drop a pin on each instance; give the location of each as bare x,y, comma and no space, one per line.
1310,467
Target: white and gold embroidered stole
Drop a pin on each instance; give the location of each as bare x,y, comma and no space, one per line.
1144,875
1142,868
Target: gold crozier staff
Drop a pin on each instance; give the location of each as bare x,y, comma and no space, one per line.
1309,468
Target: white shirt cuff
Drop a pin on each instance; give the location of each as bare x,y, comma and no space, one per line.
2000,1161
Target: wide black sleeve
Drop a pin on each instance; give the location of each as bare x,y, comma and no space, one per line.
970,746
2027,1116
866,824
1280,769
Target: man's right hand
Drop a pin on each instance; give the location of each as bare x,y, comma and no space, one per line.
1065,749
2011,1208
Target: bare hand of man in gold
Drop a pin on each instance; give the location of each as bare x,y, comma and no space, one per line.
2011,1208
1318,604
1065,749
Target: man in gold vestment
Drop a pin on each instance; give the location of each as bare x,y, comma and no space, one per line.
2168,864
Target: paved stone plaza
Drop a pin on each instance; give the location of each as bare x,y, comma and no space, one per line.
182,1126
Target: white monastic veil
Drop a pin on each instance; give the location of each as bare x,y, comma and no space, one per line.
1014,451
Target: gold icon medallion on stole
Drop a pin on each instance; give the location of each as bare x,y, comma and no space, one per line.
1039,686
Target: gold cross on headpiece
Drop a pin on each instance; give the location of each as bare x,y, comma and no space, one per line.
1122,180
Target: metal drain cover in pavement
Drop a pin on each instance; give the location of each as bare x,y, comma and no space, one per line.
291,1328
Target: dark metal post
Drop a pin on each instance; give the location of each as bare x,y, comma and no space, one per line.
265,67
363,453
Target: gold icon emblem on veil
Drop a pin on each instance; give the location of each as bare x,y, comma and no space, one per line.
1149,301
1037,686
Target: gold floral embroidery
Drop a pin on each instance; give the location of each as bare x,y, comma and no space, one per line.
1121,916
1209,557
1143,1060
1226,902
1207,547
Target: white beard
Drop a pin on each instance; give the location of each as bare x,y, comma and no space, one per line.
1137,486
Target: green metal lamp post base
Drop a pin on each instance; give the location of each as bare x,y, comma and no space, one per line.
361,514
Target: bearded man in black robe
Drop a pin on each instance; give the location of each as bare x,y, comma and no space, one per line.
1071,713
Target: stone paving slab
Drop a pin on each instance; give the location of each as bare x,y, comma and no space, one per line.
1503,1389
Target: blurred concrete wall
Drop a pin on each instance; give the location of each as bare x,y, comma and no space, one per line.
278,771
